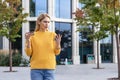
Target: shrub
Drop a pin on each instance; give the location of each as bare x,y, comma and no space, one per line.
4,59
24,62
16,59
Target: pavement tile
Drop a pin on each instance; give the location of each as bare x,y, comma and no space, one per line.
66,72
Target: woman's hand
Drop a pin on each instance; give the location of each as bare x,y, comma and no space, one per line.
58,40
27,35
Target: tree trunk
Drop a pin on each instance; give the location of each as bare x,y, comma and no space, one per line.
117,39
118,53
98,54
10,55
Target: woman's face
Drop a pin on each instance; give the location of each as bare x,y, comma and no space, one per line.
44,24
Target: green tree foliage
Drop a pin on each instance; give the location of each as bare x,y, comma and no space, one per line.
103,15
11,18
91,15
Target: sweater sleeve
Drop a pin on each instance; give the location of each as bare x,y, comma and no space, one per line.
56,51
28,50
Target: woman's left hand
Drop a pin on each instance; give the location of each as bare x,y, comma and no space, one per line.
58,39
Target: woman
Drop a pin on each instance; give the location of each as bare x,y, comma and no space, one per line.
42,46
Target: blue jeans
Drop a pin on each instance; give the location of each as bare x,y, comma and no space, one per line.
42,74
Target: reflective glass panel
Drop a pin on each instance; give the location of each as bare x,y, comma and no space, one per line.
32,26
63,8
66,43
1,42
37,7
106,49
85,44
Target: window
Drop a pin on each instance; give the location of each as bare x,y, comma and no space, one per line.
63,9
1,42
32,26
66,30
106,49
37,7
85,44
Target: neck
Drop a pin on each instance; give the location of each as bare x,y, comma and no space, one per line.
42,30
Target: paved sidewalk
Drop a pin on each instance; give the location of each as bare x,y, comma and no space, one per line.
66,72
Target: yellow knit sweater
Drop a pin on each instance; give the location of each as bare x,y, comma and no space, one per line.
42,50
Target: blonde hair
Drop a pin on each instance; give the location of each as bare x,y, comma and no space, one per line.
39,19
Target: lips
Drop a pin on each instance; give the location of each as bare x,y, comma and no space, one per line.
46,26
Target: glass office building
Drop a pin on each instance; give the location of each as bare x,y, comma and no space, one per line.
62,22
75,45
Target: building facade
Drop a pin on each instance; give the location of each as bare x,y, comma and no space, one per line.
76,47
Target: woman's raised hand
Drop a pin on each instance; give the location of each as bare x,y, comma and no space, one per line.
58,38
27,35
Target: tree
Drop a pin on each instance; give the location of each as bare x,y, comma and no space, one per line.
112,21
11,19
90,15
106,15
